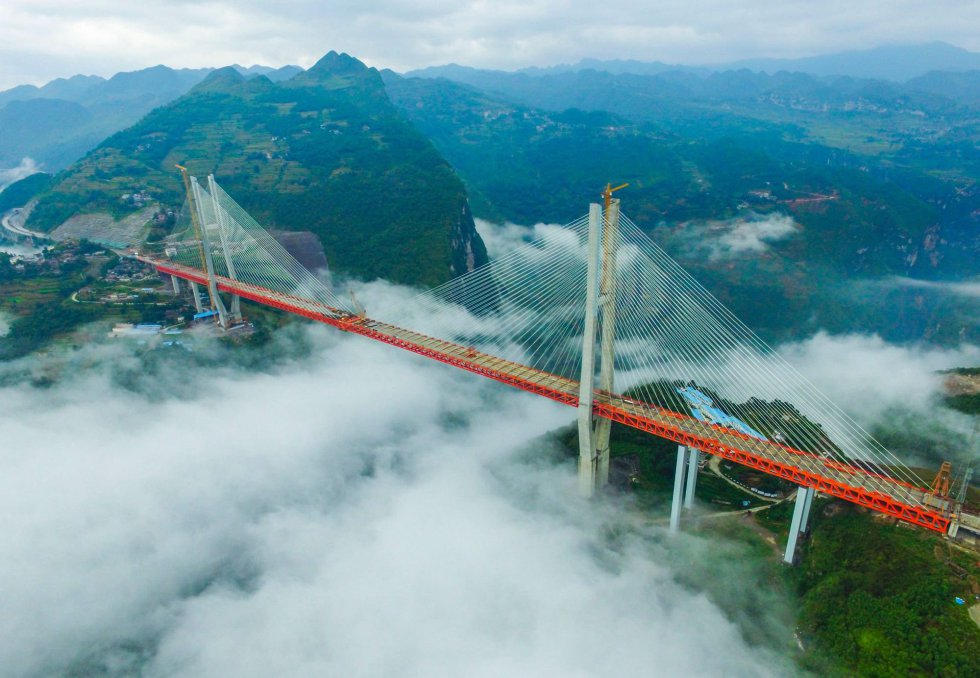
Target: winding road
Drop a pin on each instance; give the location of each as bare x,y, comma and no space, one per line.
9,225
714,465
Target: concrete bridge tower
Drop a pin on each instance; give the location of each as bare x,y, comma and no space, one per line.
600,307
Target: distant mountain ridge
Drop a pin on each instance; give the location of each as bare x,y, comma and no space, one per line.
95,88
898,63
57,123
56,134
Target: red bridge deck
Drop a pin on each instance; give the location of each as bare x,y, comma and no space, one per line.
829,476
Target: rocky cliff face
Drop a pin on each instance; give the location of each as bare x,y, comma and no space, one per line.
467,246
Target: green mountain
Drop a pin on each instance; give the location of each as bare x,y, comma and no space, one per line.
57,123
324,151
52,131
21,192
794,235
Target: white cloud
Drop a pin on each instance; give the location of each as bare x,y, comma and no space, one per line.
893,391
26,168
867,376
965,289
751,235
349,511
52,38
500,239
744,235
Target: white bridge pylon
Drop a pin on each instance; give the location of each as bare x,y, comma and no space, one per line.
211,219
224,242
600,297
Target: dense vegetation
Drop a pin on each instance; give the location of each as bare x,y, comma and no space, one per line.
967,401
20,192
878,600
324,151
47,320
937,113
38,302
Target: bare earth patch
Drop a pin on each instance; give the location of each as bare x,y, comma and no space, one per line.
101,227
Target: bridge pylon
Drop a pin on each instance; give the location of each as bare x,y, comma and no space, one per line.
219,216
600,309
216,303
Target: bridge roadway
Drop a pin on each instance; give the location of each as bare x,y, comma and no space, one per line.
829,476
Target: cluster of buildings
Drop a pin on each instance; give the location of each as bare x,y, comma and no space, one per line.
129,270
51,259
137,199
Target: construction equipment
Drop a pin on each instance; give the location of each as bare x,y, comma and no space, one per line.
607,193
940,485
359,309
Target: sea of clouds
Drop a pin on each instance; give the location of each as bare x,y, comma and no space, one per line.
346,510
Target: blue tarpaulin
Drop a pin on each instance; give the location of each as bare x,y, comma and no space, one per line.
703,408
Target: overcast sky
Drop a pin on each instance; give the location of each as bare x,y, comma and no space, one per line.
45,39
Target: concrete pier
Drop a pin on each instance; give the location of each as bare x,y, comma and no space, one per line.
801,511
676,504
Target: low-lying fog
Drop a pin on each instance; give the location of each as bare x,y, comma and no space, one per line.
350,510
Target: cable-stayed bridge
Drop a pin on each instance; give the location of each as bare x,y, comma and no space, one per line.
596,316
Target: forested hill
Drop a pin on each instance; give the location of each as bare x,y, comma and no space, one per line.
323,151
795,234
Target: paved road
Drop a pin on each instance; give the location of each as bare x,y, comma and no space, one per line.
9,225
714,465
755,509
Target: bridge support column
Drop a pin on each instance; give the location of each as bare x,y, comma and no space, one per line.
600,296
175,281
677,502
587,462
803,497
693,455
196,291
805,521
